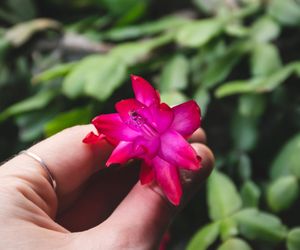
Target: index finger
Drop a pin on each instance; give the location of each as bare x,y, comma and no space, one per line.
70,161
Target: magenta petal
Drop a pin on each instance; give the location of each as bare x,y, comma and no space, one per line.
146,174
162,116
138,117
150,146
144,92
124,152
167,177
186,118
176,150
126,109
92,138
112,126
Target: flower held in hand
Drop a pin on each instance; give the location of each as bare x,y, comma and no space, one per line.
147,129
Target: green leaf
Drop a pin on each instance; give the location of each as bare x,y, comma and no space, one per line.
228,228
252,105
257,85
146,29
293,239
249,8
265,59
198,33
88,23
74,82
204,237
244,167
256,225
38,101
274,80
119,7
297,68
21,33
223,198
136,11
134,52
287,160
101,84
238,87
236,29
57,71
175,74
64,120
282,193
232,10
202,97
218,70
244,132
250,193
97,76
265,29
234,244
206,56
173,98
286,12
209,6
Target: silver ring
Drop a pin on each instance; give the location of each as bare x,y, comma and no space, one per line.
43,165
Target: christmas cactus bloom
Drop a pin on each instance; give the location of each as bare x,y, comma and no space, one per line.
146,129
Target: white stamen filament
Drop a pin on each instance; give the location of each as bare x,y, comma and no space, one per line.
142,123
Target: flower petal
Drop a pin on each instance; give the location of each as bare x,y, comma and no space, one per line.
143,91
113,127
92,138
126,108
150,146
167,177
138,117
162,116
187,118
176,150
124,152
146,174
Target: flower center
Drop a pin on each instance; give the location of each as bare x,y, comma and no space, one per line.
143,124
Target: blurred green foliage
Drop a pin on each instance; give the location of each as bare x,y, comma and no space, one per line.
63,62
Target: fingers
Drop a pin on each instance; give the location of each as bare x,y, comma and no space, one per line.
143,216
191,180
69,160
110,188
198,136
103,194
72,163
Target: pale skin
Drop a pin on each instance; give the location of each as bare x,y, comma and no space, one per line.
93,207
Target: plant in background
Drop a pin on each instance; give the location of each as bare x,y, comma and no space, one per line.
239,59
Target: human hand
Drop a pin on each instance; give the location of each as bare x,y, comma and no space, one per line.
93,207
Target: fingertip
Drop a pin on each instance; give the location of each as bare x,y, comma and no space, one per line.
207,156
193,180
198,136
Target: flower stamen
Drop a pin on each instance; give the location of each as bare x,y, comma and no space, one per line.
143,124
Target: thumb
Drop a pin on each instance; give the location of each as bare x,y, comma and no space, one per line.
142,218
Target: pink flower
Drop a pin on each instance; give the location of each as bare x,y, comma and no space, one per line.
147,129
